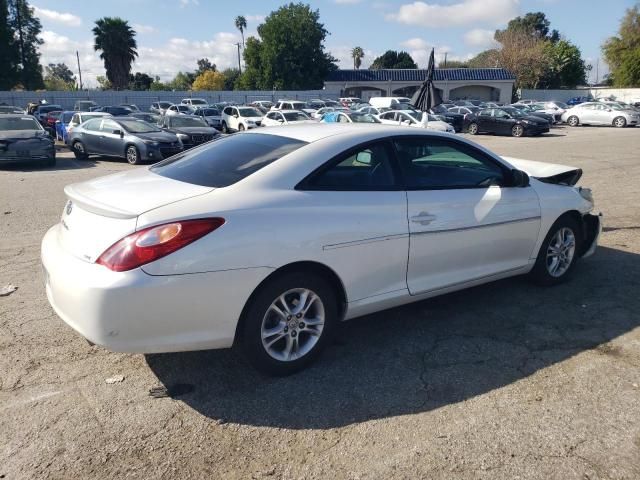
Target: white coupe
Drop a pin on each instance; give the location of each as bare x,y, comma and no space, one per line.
271,237
413,118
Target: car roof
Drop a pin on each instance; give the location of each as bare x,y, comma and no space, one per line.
95,114
17,115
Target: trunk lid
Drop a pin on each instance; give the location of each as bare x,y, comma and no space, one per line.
547,172
102,211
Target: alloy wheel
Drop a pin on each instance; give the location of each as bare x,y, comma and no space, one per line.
517,130
620,122
293,324
573,121
473,129
132,155
560,252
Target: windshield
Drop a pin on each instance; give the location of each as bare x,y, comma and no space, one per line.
210,112
164,105
225,161
295,116
363,118
19,123
66,117
50,108
138,126
249,112
197,101
187,122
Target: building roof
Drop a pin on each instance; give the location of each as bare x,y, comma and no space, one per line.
419,75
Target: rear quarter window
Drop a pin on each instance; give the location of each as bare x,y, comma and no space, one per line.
228,160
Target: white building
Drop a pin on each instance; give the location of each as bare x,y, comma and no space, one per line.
491,84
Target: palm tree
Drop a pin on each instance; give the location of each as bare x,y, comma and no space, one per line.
241,24
116,41
357,53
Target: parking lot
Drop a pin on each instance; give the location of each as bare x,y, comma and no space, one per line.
503,381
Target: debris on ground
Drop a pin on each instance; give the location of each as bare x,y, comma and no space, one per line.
7,290
173,391
115,379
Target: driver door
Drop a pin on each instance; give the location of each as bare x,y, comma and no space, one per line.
465,222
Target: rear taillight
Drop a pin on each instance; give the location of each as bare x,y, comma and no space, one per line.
152,243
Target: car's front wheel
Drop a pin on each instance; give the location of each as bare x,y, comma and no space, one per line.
517,130
133,155
573,121
288,323
619,122
558,252
473,129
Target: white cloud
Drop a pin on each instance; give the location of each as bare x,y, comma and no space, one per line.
415,44
140,28
480,38
466,12
255,18
420,49
67,19
186,3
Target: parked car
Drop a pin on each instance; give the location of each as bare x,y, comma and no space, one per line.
597,113
318,114
192,131
531,110
80,117
24,140
347,101
491,105
49,120
131,106
115,110
123,137
4,109
211,115
159,107
372,110
285,117
505,121
178,110
85,106
262,105
183,256
388,102
194,103
41,111
578,100
348,117
465,110
464,103
236,119
153,118
527,101
292,105
316,104
454,119
413,118
64,120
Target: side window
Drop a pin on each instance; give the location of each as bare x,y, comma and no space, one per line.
364,168
271,116
93,125
429,163
75,119
485,113
501,114
108,126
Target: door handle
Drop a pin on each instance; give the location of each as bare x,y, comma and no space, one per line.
423,218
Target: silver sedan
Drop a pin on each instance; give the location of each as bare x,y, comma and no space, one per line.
595,113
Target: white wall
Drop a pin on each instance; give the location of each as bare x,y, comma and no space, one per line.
622,94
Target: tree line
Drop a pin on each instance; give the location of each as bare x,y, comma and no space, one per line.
289,54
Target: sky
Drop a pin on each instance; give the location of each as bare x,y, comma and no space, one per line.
173,34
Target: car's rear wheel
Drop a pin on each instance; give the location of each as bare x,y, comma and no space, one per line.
558,252
288,323
225,129
619,122
517,130
79,150
573,121
473,129
132,155
241,127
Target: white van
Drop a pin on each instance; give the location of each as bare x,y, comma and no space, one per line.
388,102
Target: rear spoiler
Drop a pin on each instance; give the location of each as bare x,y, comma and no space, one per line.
94,206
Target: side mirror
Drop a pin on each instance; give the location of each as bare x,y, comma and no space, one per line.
118,132
519,178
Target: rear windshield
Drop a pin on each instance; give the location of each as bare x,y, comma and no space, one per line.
225,161
19,123
50,108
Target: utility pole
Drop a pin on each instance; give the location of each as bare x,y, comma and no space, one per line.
597,70
79,71
238,45
445,59
21,40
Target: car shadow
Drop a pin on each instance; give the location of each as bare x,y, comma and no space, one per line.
421,356
61,165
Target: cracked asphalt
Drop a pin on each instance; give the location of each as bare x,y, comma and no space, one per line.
503,381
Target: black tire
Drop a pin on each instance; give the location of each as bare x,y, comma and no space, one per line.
473,128
541,271
241,128
517,130
225,129
573,121
79,150
132,154
619,122
258,309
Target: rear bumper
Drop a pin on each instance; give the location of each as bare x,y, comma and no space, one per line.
136,312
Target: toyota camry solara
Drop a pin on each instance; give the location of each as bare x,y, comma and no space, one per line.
269,238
